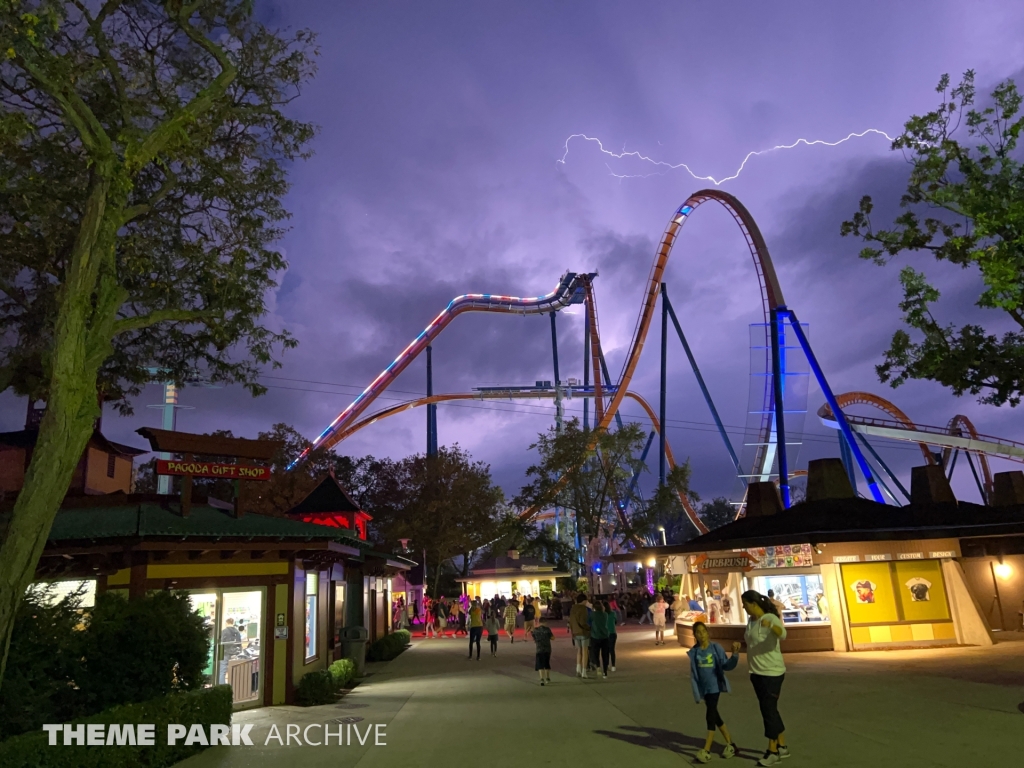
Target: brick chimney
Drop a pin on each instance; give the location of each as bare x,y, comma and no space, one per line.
928,485
827,479
513,554
763,499
1008,489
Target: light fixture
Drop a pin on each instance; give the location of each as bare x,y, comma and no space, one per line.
651,563
1003,570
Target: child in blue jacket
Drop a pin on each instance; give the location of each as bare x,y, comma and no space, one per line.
708,665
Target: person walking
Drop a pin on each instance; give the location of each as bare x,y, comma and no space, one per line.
542,637
429,618
599,637
612,619
645,609
441,610
476,628
579,627
658,610
529,616
511,611
493,627
767,670
708,666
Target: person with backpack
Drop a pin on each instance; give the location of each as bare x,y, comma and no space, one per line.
764,632
529,615
708,665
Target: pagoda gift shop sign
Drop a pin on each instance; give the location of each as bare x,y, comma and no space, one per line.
212,470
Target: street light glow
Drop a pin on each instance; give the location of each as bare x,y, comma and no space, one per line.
1003,570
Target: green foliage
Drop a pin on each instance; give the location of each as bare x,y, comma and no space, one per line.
589,474
140,649
389,646
717,512
973,197
68,662
316,688
45,659
207,706
342,671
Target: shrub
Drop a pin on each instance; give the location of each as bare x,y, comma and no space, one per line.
316,688
207,706
343,670
43,663
137,650
389,646
67,662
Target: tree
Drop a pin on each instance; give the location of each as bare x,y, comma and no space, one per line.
143,147
590,475
977,194
444,504
717,512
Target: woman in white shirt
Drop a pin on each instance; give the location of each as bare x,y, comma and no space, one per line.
767,670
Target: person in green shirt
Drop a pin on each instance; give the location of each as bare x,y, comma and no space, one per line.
612,620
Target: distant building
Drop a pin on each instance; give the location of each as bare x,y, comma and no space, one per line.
512,573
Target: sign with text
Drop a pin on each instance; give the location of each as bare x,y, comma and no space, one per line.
212,469
741,561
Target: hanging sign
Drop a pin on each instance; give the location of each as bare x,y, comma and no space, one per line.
739,561
212,469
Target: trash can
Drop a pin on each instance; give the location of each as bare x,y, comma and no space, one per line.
353,646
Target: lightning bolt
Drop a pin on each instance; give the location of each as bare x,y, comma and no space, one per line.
717,182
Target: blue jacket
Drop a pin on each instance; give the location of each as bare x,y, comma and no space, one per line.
722,665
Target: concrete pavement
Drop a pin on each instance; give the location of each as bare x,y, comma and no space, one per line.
918,709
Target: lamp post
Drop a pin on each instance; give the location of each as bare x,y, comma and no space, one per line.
661,528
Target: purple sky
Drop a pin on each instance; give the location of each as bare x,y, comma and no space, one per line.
435,174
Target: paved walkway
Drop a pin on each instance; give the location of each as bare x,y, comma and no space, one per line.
918,709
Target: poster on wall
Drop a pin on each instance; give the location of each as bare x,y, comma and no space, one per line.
864,592
919,590
783,556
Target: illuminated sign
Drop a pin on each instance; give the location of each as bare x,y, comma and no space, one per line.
212,469
943,554
742,561
845,558
910,556
877,558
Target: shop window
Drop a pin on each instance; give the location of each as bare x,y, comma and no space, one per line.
312,590
111,464
922,590
802,596
908,590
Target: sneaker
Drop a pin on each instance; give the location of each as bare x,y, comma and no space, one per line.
604,675
613,667
783,752
770,758
542,682
584,676
702,756
729,751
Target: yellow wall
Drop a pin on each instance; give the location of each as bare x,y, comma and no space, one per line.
194,570
883,609
936,607
121,577
96,480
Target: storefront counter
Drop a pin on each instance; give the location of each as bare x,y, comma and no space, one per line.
802,637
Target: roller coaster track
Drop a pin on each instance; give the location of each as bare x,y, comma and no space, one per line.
394,410
958,434
571,289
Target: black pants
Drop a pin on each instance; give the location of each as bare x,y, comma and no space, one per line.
475,633
768,690
600,650
493,640
611,648
714,719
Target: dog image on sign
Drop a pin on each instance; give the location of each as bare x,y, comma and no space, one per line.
919,590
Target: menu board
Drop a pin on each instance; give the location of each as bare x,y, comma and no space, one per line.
783,556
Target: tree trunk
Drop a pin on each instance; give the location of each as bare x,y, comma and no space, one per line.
71,407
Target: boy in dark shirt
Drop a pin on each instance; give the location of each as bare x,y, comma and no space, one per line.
542,636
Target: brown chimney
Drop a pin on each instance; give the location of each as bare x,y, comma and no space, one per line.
827,479
928,485
513,554
1008,490
763,499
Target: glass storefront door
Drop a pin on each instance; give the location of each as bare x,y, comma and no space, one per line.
235,621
